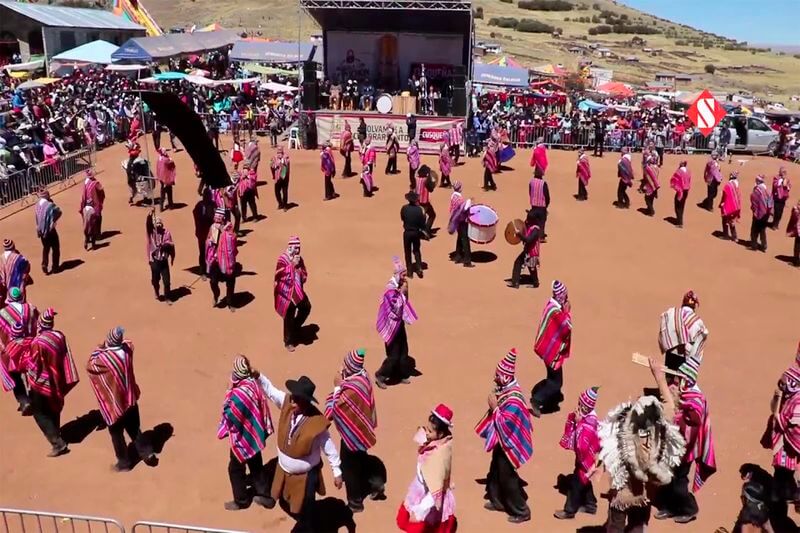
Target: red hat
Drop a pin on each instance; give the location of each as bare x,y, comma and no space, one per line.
690,299
444,413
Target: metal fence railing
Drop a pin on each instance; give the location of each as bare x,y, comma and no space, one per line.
526,137
23,521
18,189
158,527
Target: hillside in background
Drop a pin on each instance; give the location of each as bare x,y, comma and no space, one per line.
529,36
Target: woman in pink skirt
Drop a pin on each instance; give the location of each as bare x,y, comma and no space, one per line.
430,504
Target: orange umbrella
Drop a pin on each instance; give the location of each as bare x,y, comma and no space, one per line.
615,88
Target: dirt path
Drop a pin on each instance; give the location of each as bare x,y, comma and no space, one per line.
622,270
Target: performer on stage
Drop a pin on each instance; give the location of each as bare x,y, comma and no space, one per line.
674,499
328,167
291,300
221,252
529,256
625,175
346,147
280,174
15,270
247,191
302,439
93,196
539,158
14,356
47,215
430,504
781,186
553,345
584,173
681,182
793,230
490,166
459,222
782,435
17,311
713,177
351,407
424,187
445,165
682,333
394,312
650,185
160,253
392,148
580,436
761,206
51,375
110,370
412,154
507,432
247,423
165,172
539,194
368,158
730,207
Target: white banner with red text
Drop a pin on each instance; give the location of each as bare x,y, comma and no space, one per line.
430,130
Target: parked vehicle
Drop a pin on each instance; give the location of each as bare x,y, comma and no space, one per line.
748,134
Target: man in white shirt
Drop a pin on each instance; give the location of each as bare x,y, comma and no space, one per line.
302,438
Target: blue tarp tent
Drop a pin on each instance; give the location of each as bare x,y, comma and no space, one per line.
590,105
273,52
97,52
146,49
499,75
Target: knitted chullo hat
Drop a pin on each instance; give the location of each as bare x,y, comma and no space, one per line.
457,186
241,368
507,367
47,318
689,369
560,292
15,294
8,244
588,398
17,330
354,361
115,337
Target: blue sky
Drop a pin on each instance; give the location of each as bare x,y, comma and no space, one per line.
764,21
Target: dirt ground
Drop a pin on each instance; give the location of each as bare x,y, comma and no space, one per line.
622,270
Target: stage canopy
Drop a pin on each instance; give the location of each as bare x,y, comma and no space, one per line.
146,49
97,52
497,75
275,52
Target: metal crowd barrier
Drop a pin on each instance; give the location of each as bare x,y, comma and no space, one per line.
22,521
158,527
526,137
18,189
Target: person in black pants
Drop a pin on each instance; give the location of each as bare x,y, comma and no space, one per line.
213,128
504,488
460,219
161,250
414,225
397,366
761,206
296,316
599,136
47,214
411,125
280,173
361,131
529,255
392,148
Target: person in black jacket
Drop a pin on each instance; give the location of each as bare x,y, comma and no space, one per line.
411,125
413,218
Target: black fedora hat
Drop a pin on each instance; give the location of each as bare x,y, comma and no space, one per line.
302,389
412,196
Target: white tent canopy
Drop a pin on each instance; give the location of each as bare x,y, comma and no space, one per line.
126,67
96,52
277,87
31,65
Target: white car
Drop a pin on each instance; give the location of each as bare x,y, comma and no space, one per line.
748,134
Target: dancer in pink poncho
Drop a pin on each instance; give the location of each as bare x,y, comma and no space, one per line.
584,173
649,185
412,153
165,172
713,177
291,300
730,207
394,312
681,182
761,206
445,165
782,436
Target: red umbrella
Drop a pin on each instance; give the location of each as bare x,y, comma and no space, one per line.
615,88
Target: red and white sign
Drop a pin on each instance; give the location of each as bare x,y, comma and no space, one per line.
706,112
430,130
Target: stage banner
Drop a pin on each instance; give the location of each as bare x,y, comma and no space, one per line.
430,130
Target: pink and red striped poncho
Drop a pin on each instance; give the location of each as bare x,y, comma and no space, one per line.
760,202
93,194
221,248
490,159
327,164
51,368
247,182
712,172
280,166
422,190
581,437
731,204
165,170
781,186
793,229
699,440
554,335
288,284
111,375
159,245
412,153
539,158
650,182
681,182
625,170
784,437
457,134
536,192
352,410
369,156
583,171
445,162
509,425
18,312
246,419
13,358
394,309
14,271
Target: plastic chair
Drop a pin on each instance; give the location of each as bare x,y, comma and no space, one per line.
294,138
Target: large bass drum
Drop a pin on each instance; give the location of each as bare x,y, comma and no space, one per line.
384,104
482,227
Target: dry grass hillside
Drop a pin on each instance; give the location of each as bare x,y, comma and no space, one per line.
684,49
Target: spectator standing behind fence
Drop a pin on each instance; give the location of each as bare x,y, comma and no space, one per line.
599,135
47,214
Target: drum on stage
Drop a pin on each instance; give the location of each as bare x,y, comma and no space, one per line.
482,224
511,231
384,104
